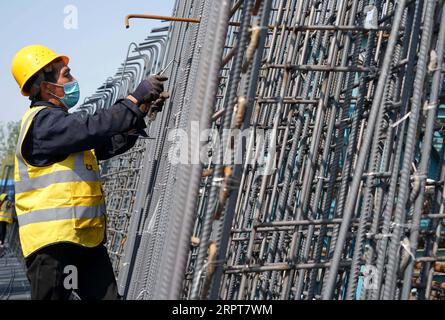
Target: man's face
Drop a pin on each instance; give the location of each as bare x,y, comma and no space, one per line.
63,75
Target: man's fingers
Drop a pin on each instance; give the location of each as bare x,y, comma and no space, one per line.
160,77
159,103
164,95
158,87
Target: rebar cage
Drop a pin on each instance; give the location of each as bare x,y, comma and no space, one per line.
334,110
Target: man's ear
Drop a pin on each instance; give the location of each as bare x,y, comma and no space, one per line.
43,86
46,87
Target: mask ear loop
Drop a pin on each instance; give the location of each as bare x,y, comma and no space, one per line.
49,69
54,95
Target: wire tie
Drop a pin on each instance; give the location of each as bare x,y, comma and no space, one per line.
395,124
429,106
217,181
399,225
405,246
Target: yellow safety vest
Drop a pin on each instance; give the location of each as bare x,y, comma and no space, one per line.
60,202
5,213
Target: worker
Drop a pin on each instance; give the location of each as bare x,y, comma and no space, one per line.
3,198
59,198
5,218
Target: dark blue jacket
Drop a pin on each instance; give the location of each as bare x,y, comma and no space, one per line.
54,133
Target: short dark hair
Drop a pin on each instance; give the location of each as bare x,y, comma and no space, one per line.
48,73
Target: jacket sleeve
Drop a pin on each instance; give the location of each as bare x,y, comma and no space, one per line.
116,145
56,133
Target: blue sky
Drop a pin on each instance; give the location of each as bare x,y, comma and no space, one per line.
96,48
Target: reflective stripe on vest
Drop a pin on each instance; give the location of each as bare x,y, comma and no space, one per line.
5,217
61,202
60,214
80,173
5,213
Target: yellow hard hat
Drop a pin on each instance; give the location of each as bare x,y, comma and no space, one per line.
30,60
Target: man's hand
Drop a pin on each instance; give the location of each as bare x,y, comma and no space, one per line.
159,103
149,91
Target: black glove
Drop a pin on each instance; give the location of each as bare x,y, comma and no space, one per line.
157,105
150,89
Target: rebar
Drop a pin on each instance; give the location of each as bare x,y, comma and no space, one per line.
323,169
